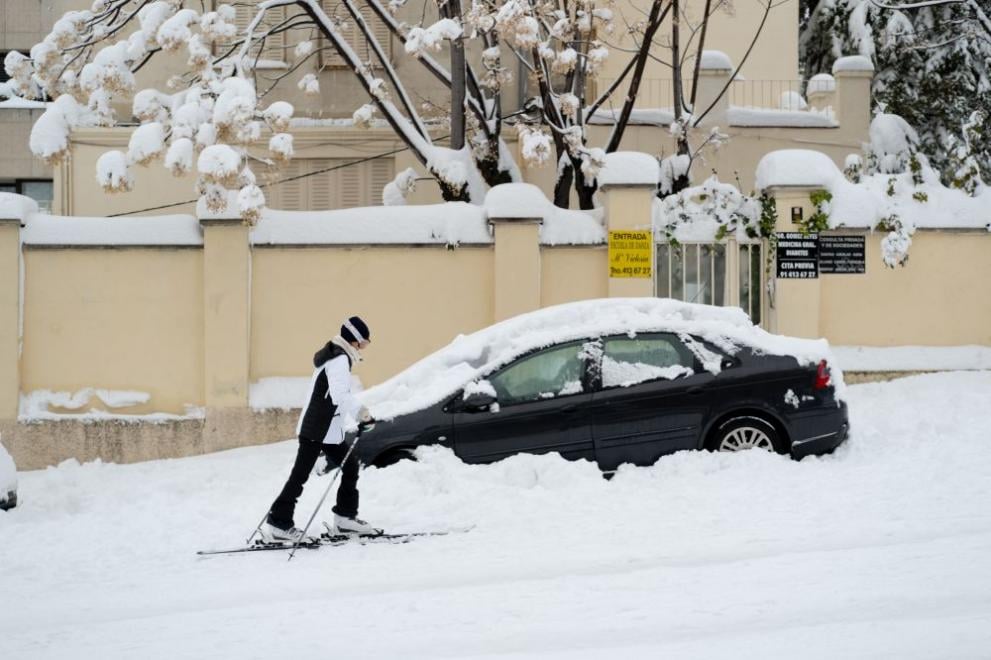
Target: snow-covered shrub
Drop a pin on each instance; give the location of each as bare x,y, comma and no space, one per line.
250,201
364,115
219,163
309,84
147,143
278,116
714,208
179,157
396,191
280,146
112,173
535,145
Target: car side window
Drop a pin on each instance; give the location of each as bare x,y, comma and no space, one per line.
630,360
548,374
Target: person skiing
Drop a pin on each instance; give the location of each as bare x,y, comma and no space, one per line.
321,429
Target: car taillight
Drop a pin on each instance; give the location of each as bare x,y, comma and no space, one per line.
822,376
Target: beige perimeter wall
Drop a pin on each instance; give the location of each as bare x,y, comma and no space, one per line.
119,319
414,299
942,297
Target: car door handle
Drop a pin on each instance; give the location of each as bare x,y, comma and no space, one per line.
568,410
696,390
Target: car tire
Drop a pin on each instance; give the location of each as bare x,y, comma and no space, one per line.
393,456
747,432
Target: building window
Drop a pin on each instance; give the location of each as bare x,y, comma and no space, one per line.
355,37
333,183
697,272
273,55
40,190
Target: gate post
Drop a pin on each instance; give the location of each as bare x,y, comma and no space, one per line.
628,184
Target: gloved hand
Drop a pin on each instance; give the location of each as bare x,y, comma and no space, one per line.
364,417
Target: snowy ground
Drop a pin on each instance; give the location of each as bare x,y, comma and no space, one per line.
880,551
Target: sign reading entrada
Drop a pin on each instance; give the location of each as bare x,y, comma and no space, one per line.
630,253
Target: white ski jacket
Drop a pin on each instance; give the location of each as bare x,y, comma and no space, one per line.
330,397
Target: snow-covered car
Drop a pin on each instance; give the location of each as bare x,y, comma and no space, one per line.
612,381
8,480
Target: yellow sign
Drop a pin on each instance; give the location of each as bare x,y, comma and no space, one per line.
630,253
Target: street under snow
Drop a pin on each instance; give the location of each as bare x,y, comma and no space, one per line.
882,550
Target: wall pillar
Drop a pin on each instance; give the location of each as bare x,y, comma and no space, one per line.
854,76
227,314
517,265
796,305
10,316
714,73
630,207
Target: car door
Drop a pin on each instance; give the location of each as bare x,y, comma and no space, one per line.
650,399
542,406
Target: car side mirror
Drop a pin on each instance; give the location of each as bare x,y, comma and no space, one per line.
478,400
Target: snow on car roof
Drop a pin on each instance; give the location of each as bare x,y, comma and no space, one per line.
472,356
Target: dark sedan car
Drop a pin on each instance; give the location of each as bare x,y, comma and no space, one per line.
627,398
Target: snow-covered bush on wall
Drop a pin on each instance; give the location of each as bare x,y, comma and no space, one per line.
933,68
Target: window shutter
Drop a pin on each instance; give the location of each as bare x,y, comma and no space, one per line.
382,172
349,185
321,193
275,45
290,194
354,36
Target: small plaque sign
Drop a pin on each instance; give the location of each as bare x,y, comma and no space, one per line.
798,256
843,254
630,253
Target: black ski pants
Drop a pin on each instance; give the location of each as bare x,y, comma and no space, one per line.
281,513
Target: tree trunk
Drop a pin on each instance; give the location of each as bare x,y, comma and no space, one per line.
451,194
653,23
562,187
458,73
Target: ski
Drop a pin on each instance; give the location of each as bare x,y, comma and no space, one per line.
335,540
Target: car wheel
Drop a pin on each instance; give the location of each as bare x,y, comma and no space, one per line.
393,456
743,433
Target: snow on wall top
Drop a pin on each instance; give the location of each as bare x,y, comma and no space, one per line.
517,200
715,60
864,204
821,83
852,63
473,356
19,207
638,117
629,168
453,223
162,230
739,116
446,224
796,167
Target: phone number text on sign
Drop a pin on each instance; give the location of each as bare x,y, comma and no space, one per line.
630,253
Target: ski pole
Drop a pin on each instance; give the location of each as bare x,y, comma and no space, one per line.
361,430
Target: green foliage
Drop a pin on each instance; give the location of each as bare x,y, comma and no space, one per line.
819,220
920,196
932,67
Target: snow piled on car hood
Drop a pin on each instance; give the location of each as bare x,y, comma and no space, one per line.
469,357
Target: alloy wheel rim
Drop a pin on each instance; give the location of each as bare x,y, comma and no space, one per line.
746,437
